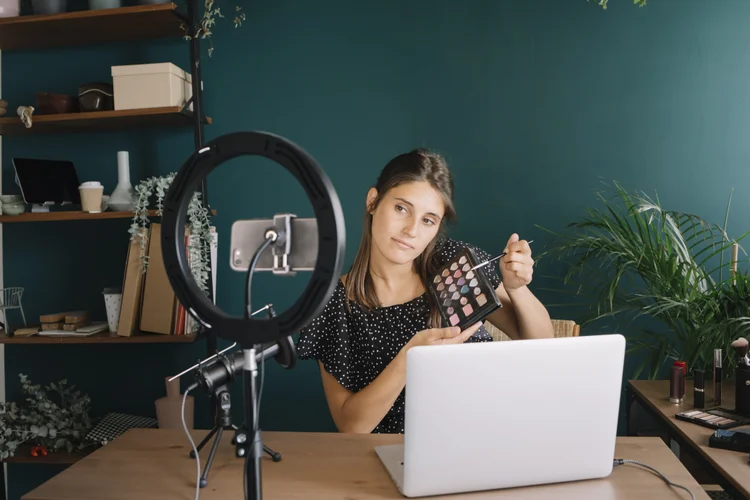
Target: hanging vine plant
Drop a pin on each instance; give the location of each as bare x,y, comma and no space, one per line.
206,24
199,226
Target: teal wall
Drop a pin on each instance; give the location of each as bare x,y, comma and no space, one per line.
533,102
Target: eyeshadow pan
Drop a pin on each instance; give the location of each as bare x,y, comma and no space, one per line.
452,288
466,267
469,275
462,260
481,300
445,273
454,320
463,301
457,274
468,309
450,310
477,291
437,279
460,282
464,290
473,282
440,287
455,296
454,266
448,280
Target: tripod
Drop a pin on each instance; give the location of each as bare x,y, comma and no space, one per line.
223,422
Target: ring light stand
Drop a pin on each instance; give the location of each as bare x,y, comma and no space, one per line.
247,331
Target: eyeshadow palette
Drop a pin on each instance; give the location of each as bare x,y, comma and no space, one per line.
715,418
464,296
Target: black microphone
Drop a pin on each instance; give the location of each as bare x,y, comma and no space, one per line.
223,369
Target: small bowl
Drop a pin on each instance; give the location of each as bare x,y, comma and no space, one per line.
11,198
14,208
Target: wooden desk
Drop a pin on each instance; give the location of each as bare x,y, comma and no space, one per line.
731,468
154,464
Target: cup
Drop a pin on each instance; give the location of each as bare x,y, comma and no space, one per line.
91,196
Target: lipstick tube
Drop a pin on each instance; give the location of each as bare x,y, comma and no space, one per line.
676,388
717,376
699,394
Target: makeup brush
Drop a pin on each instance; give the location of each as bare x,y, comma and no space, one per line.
740,346
493,259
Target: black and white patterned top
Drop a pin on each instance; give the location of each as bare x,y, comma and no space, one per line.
355,345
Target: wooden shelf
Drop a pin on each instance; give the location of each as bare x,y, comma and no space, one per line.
64,215
99,121
101,338
91,27
23,456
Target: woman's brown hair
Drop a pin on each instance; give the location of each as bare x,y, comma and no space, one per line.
414,166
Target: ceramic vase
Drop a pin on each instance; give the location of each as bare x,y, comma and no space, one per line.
169,408
121,199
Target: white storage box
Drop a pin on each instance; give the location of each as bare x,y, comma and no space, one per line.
157,85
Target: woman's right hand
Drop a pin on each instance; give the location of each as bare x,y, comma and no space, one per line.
437,336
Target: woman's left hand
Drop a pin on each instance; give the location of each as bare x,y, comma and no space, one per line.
517,266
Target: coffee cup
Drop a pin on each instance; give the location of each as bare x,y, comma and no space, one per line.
91,196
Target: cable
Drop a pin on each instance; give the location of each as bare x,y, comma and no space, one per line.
620,461
192,443
250,271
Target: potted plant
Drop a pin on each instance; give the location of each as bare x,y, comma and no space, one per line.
662,274
199,227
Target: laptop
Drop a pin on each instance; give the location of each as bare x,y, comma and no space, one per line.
495,415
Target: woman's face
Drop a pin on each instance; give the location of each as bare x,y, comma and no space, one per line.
406,220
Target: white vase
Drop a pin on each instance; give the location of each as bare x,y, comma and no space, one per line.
121,199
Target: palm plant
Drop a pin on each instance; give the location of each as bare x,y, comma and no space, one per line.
635,260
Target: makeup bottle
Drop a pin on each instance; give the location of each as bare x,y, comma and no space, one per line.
699,394
717,376
676,388
683,364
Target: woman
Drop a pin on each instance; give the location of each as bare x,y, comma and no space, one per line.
380,309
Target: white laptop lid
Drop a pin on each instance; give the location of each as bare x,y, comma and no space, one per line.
503,414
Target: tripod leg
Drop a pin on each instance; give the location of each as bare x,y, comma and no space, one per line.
275,455
204,477
203,443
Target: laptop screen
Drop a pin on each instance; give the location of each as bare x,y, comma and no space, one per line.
43,181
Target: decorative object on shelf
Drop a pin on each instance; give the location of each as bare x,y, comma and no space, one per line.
12,204
10,8
169,407
199,228
10,298
155,85
104,4
97,96
641,264
121,199
25,113
56,417
55,104
113,304
48,6
3,107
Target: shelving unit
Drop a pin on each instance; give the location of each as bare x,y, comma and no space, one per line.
95,27
91,27
67,215
100,121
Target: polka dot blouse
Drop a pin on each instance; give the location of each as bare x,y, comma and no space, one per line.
355,345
